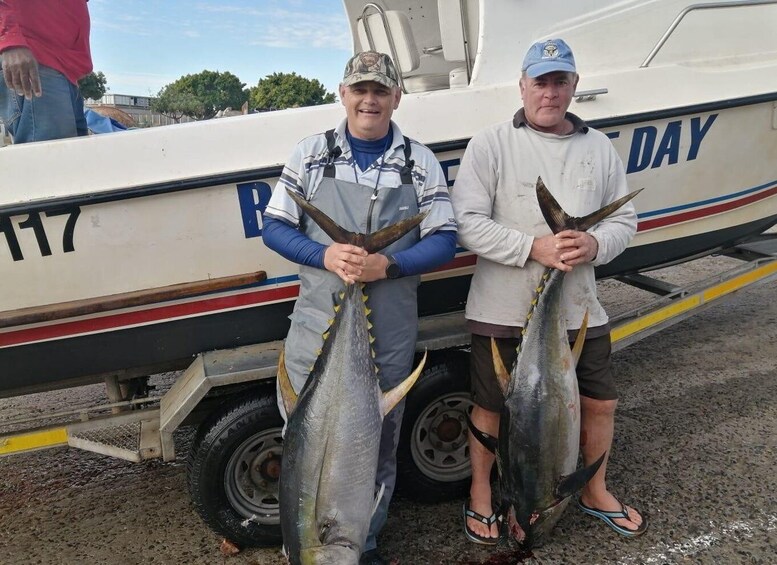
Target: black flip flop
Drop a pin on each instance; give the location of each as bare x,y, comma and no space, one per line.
610,517
473,536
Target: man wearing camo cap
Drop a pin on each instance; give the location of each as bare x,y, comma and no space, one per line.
365,175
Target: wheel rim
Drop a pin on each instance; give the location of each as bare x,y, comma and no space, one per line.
439,438
251,477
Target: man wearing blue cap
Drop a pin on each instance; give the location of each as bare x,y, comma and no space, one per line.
499,219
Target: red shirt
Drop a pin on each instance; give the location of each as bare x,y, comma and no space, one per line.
56,31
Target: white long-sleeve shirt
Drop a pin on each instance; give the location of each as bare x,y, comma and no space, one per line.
495,203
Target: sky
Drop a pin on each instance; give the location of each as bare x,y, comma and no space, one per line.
143,45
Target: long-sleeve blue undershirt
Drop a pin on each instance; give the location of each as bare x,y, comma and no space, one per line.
291,243
366,152
432,251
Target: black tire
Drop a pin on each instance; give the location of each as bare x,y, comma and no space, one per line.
233,470
433,455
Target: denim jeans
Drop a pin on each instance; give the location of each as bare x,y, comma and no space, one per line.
58,113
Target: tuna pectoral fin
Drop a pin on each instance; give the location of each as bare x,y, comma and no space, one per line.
558,220
577,349
392,397
287,391
570,484
330,554
489,442
378,498
502,376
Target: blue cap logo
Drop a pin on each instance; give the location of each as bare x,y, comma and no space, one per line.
548,56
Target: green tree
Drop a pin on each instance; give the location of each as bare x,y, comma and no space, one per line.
93,85
288,90
216,91
174,102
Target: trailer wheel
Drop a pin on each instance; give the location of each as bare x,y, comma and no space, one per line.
233,471
433,454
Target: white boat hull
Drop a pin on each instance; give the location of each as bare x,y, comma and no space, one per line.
147,209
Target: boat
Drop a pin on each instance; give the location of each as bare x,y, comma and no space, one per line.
129,253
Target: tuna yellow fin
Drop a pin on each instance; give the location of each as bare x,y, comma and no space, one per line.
391,398
502,376
284,384
577,348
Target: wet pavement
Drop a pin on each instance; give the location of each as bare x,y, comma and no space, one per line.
695,447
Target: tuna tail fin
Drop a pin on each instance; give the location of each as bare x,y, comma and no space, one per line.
374,242
284,384
370,242
502,375
488,441
392,397
577,349
558,220
570,484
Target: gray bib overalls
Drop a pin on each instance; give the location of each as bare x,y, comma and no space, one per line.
359,208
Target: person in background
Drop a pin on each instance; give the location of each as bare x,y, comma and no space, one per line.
499,219
44,48
365,175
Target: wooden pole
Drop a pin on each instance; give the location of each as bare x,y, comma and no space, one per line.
62,310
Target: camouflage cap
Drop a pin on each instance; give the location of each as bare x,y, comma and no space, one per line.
371,65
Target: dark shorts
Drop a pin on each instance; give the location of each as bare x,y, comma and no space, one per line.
595,378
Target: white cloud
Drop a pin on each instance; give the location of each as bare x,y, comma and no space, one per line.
284,28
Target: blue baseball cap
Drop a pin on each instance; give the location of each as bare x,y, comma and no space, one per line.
548,56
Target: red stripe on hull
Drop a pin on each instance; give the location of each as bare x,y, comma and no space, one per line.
457,263
164,313
703,212
159,314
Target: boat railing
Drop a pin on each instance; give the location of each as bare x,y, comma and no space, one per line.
390,31
589,95
695,7
370,6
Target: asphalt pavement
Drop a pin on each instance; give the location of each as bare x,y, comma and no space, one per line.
695,448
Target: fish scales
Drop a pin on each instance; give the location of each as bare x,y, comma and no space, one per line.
541,418
332,441
539,431
330,452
